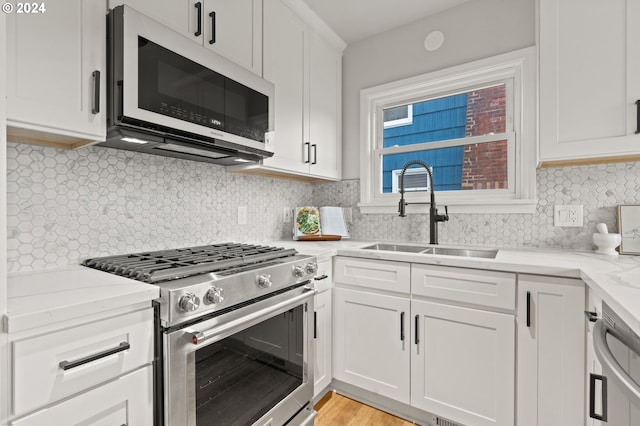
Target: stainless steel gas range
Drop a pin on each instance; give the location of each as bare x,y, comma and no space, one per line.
234,332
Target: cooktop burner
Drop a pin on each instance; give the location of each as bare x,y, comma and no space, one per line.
165,265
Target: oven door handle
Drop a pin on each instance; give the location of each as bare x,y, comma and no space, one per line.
604,354
197,337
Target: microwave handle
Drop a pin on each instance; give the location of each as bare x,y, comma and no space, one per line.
198,32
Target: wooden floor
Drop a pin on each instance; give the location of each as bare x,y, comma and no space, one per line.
337,410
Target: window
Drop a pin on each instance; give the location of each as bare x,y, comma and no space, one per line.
474,125
398,116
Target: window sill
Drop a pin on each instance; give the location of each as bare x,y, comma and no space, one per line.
493,206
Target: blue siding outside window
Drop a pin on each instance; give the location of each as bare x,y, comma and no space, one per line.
435,120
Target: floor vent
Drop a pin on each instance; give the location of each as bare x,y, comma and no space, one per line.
444,422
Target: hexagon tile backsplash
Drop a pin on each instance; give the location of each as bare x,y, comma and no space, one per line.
68,205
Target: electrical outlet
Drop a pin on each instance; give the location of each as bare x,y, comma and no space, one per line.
242,215
348,214
286,215
567,215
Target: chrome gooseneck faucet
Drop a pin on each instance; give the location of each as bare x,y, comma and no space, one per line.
434,217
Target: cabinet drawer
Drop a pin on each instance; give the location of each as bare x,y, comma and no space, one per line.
373,274
125,401
40,375
473,286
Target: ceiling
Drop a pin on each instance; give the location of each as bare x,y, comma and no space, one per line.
355,20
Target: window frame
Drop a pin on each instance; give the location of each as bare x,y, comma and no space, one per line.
405,121
518,70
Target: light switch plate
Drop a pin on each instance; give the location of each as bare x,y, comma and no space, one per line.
567,215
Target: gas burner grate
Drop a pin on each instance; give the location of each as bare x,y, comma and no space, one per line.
165,265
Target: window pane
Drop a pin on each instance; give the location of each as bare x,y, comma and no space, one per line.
474,113
395,113
468,167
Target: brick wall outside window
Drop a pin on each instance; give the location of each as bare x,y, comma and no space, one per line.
485,164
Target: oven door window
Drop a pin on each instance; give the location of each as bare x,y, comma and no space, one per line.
242,377
177,87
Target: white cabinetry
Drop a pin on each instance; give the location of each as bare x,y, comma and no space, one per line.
94,373
589,80
231,28
551,345
306,69
463,358
371,342
56,80
437,351
323,327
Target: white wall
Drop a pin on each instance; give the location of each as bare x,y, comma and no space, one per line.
473,30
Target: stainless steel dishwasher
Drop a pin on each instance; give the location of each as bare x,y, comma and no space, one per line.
614,396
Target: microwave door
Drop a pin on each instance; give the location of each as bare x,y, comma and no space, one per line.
167,81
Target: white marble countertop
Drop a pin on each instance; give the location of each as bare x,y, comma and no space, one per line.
616,279
37,298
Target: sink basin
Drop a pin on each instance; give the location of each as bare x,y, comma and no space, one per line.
397,247
445,251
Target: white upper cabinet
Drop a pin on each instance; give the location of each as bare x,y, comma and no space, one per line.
305,64
56,79
231,28
589,79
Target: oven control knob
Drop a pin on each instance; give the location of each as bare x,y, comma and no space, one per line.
298,271
311,268
264,281
188,302
214,296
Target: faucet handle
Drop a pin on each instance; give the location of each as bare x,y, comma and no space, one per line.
446,213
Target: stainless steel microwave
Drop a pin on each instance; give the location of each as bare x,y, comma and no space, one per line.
170,96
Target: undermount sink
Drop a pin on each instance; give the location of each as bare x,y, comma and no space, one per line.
445,251
397,247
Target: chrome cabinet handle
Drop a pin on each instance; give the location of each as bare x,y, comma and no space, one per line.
592,397
68,365
606,358
96,92
197,337
198,32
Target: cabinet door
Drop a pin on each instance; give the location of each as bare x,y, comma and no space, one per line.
235,31
551,342
54,59
324,108
588,79
284,58
322,342
462,364
179,15
127,400
370,349
594,305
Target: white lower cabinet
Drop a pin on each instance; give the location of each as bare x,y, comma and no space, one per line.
462,363
455,362
322,341
96,372
371,342
550,350
127,400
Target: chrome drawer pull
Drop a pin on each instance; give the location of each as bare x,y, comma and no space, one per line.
68,365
